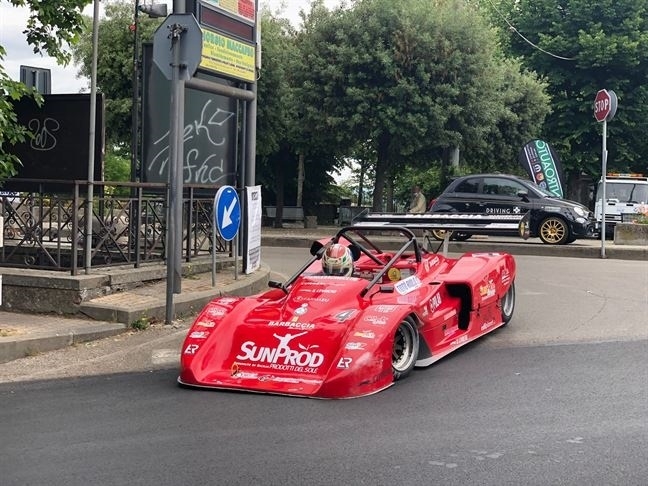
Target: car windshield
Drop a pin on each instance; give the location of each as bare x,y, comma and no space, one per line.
624,192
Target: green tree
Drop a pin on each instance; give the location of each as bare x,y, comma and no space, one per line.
579,48
51,26
282,137
413,79
115,66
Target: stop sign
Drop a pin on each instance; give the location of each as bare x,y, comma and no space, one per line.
605,105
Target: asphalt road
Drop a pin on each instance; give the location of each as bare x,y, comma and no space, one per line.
569,415
560,396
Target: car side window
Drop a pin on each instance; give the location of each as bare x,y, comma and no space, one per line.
501,187
470,186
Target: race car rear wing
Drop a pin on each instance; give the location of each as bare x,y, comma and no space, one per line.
463,222
472,223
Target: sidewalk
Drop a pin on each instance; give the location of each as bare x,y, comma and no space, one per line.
24,334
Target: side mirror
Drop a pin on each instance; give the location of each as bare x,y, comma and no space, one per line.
524,195
316,248
355,252
277,285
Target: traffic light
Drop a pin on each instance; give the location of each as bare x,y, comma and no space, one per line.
155,10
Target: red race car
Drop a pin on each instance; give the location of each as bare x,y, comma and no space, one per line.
352,321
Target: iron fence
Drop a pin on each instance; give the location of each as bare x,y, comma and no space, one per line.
48,231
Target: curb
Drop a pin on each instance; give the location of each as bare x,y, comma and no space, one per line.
35,344
48,333
122,307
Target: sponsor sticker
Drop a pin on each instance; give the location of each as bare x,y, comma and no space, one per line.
344,363
385,309
365,334
376,320
344,315
407,285
488,324
487,290
191,349
301,310
434,302
288,355
214,311
302,326
355,346
199,334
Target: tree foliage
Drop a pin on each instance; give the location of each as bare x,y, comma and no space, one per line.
115,60
579,48
51,26
412,79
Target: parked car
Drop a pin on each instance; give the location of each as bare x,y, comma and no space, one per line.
554,220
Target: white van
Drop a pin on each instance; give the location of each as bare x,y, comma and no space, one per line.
624,193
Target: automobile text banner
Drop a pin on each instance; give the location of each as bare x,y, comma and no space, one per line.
541,162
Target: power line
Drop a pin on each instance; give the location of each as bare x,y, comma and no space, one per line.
535,46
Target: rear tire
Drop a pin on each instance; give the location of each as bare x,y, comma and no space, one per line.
507,304
405,348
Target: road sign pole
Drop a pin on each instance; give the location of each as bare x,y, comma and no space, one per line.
603,179
178,179
174,223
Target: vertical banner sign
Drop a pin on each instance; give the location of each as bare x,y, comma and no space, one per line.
254,214
543,166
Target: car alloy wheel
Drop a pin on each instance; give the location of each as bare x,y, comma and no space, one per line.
405,348
554,231
439,235
507,304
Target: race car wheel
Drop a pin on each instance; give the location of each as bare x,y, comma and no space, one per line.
405,348
439,235
507,304
460,236
553,231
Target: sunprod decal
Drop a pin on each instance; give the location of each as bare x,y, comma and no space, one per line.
541,162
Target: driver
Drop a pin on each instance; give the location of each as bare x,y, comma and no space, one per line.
337,261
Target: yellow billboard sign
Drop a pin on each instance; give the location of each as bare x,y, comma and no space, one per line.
228,56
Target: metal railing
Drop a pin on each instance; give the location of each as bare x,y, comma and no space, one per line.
48,231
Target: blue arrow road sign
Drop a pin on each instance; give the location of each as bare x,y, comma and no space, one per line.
227,212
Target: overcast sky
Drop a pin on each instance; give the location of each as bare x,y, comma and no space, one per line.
19,53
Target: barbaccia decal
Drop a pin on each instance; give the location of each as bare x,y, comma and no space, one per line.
302,326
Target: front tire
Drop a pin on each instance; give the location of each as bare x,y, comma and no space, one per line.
405,348
507,304
553,231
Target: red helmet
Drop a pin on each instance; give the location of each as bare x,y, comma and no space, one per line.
337,260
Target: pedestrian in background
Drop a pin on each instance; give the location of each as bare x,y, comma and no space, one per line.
417,205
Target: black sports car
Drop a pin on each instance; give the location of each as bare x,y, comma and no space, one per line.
554,220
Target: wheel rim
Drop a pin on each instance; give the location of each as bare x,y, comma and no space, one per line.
440,234
403,351
553,230
508,302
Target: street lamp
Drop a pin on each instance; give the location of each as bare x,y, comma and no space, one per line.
153,11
